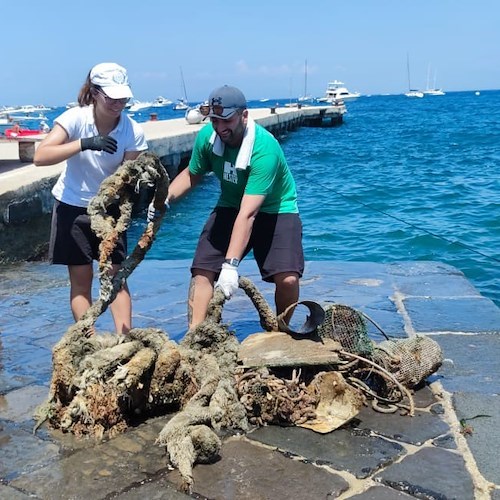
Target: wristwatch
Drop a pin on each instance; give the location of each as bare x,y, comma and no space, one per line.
233,262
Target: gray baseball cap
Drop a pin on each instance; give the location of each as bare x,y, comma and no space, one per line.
229,99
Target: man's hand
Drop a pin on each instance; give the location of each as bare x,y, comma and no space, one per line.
154,213
99,143
228,280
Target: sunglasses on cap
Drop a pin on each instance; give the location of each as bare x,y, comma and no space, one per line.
217,110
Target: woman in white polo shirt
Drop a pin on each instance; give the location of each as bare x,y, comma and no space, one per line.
94,139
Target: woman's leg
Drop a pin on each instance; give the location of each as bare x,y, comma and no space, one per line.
121,307
80,278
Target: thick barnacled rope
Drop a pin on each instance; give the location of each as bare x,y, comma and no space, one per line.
146,170
67,353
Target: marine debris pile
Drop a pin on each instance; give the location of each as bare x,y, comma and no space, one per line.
318,377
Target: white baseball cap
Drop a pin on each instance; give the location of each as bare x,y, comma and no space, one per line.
112,79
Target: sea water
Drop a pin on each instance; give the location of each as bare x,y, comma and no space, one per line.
402,179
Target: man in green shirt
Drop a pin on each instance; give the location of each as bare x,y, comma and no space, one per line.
256,210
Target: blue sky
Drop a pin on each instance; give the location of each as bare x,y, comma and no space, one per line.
260,46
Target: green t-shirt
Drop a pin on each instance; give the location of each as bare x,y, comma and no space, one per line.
268,173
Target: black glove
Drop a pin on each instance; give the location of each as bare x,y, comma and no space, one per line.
99,143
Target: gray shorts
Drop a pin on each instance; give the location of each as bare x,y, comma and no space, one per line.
72,241
276,242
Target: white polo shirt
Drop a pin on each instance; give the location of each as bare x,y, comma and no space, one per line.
84,172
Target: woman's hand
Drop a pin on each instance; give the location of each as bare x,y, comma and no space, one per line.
100,143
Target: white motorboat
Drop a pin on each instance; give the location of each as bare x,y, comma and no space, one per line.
337,91
434,92
136,105
161,102
6,109
181,104
26,117
29,108
414,93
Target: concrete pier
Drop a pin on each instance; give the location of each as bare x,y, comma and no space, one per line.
25,190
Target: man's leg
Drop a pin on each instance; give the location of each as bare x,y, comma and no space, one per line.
286,292
201,290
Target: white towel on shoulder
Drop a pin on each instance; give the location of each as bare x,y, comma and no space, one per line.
246,148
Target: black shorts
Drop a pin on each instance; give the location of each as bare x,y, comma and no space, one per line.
72,241
276,242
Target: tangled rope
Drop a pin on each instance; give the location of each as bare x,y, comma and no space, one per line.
73,381
270,399
102,383
146,170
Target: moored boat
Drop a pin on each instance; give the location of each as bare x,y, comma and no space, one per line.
434,92
136,105
411,92
161,102
337,91
13,133
414,93
181,104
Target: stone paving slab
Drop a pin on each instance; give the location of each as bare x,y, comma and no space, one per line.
97,470
357,453
431,284
457,315
22,451
247,472
471,363
430,473
18,405
416,430
482,413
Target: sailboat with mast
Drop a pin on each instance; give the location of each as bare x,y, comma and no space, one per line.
411,92
182,104
432,90
306,96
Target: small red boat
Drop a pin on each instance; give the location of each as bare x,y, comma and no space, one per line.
12,133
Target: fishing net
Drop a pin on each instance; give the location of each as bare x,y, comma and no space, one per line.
347,326
410,360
